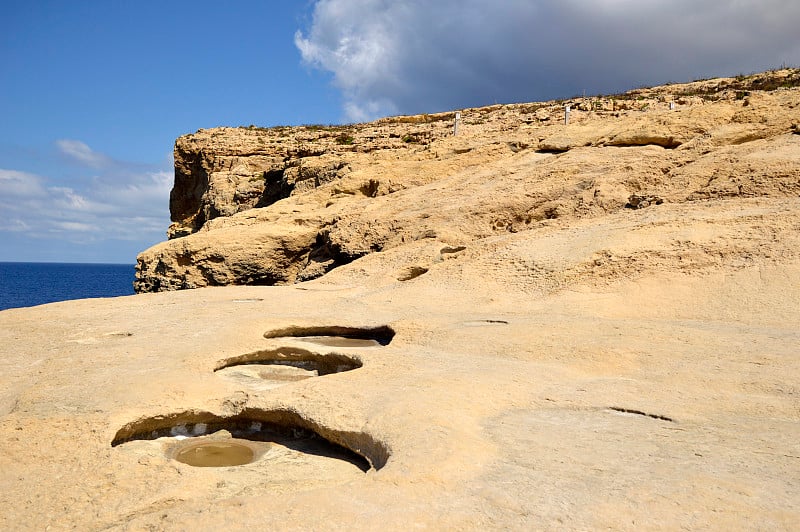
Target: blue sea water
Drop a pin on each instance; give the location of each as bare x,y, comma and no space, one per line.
25,284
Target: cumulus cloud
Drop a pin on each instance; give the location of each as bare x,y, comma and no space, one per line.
123,202
81,153
413,56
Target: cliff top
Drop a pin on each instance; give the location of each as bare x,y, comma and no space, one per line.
310,181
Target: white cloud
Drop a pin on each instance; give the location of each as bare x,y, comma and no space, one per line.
19,184
75,226
412,56
81,153
120,204
14,225
100,209
66,198
143,193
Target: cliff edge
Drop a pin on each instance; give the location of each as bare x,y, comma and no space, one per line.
271,206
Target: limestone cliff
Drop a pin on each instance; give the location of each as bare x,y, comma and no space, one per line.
286,204
532,326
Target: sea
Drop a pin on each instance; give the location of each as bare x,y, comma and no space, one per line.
26,284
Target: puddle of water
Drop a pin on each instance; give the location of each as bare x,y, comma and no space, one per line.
340,341
216,454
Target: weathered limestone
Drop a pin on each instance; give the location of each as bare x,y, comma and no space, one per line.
277,206
495,337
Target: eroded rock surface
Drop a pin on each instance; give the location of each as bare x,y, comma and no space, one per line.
523,353
277,206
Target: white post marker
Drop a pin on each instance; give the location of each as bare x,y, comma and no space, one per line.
671,106
566,115
455,123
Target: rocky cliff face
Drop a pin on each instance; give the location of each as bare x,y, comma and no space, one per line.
287,204
528,325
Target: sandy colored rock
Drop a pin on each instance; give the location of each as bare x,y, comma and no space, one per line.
502,345
328,195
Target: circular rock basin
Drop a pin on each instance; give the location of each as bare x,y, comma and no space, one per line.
215,454
265,377
340,341
275,440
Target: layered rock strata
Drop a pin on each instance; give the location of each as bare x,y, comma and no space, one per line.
287,204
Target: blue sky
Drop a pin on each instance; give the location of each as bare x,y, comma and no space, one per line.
94,93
